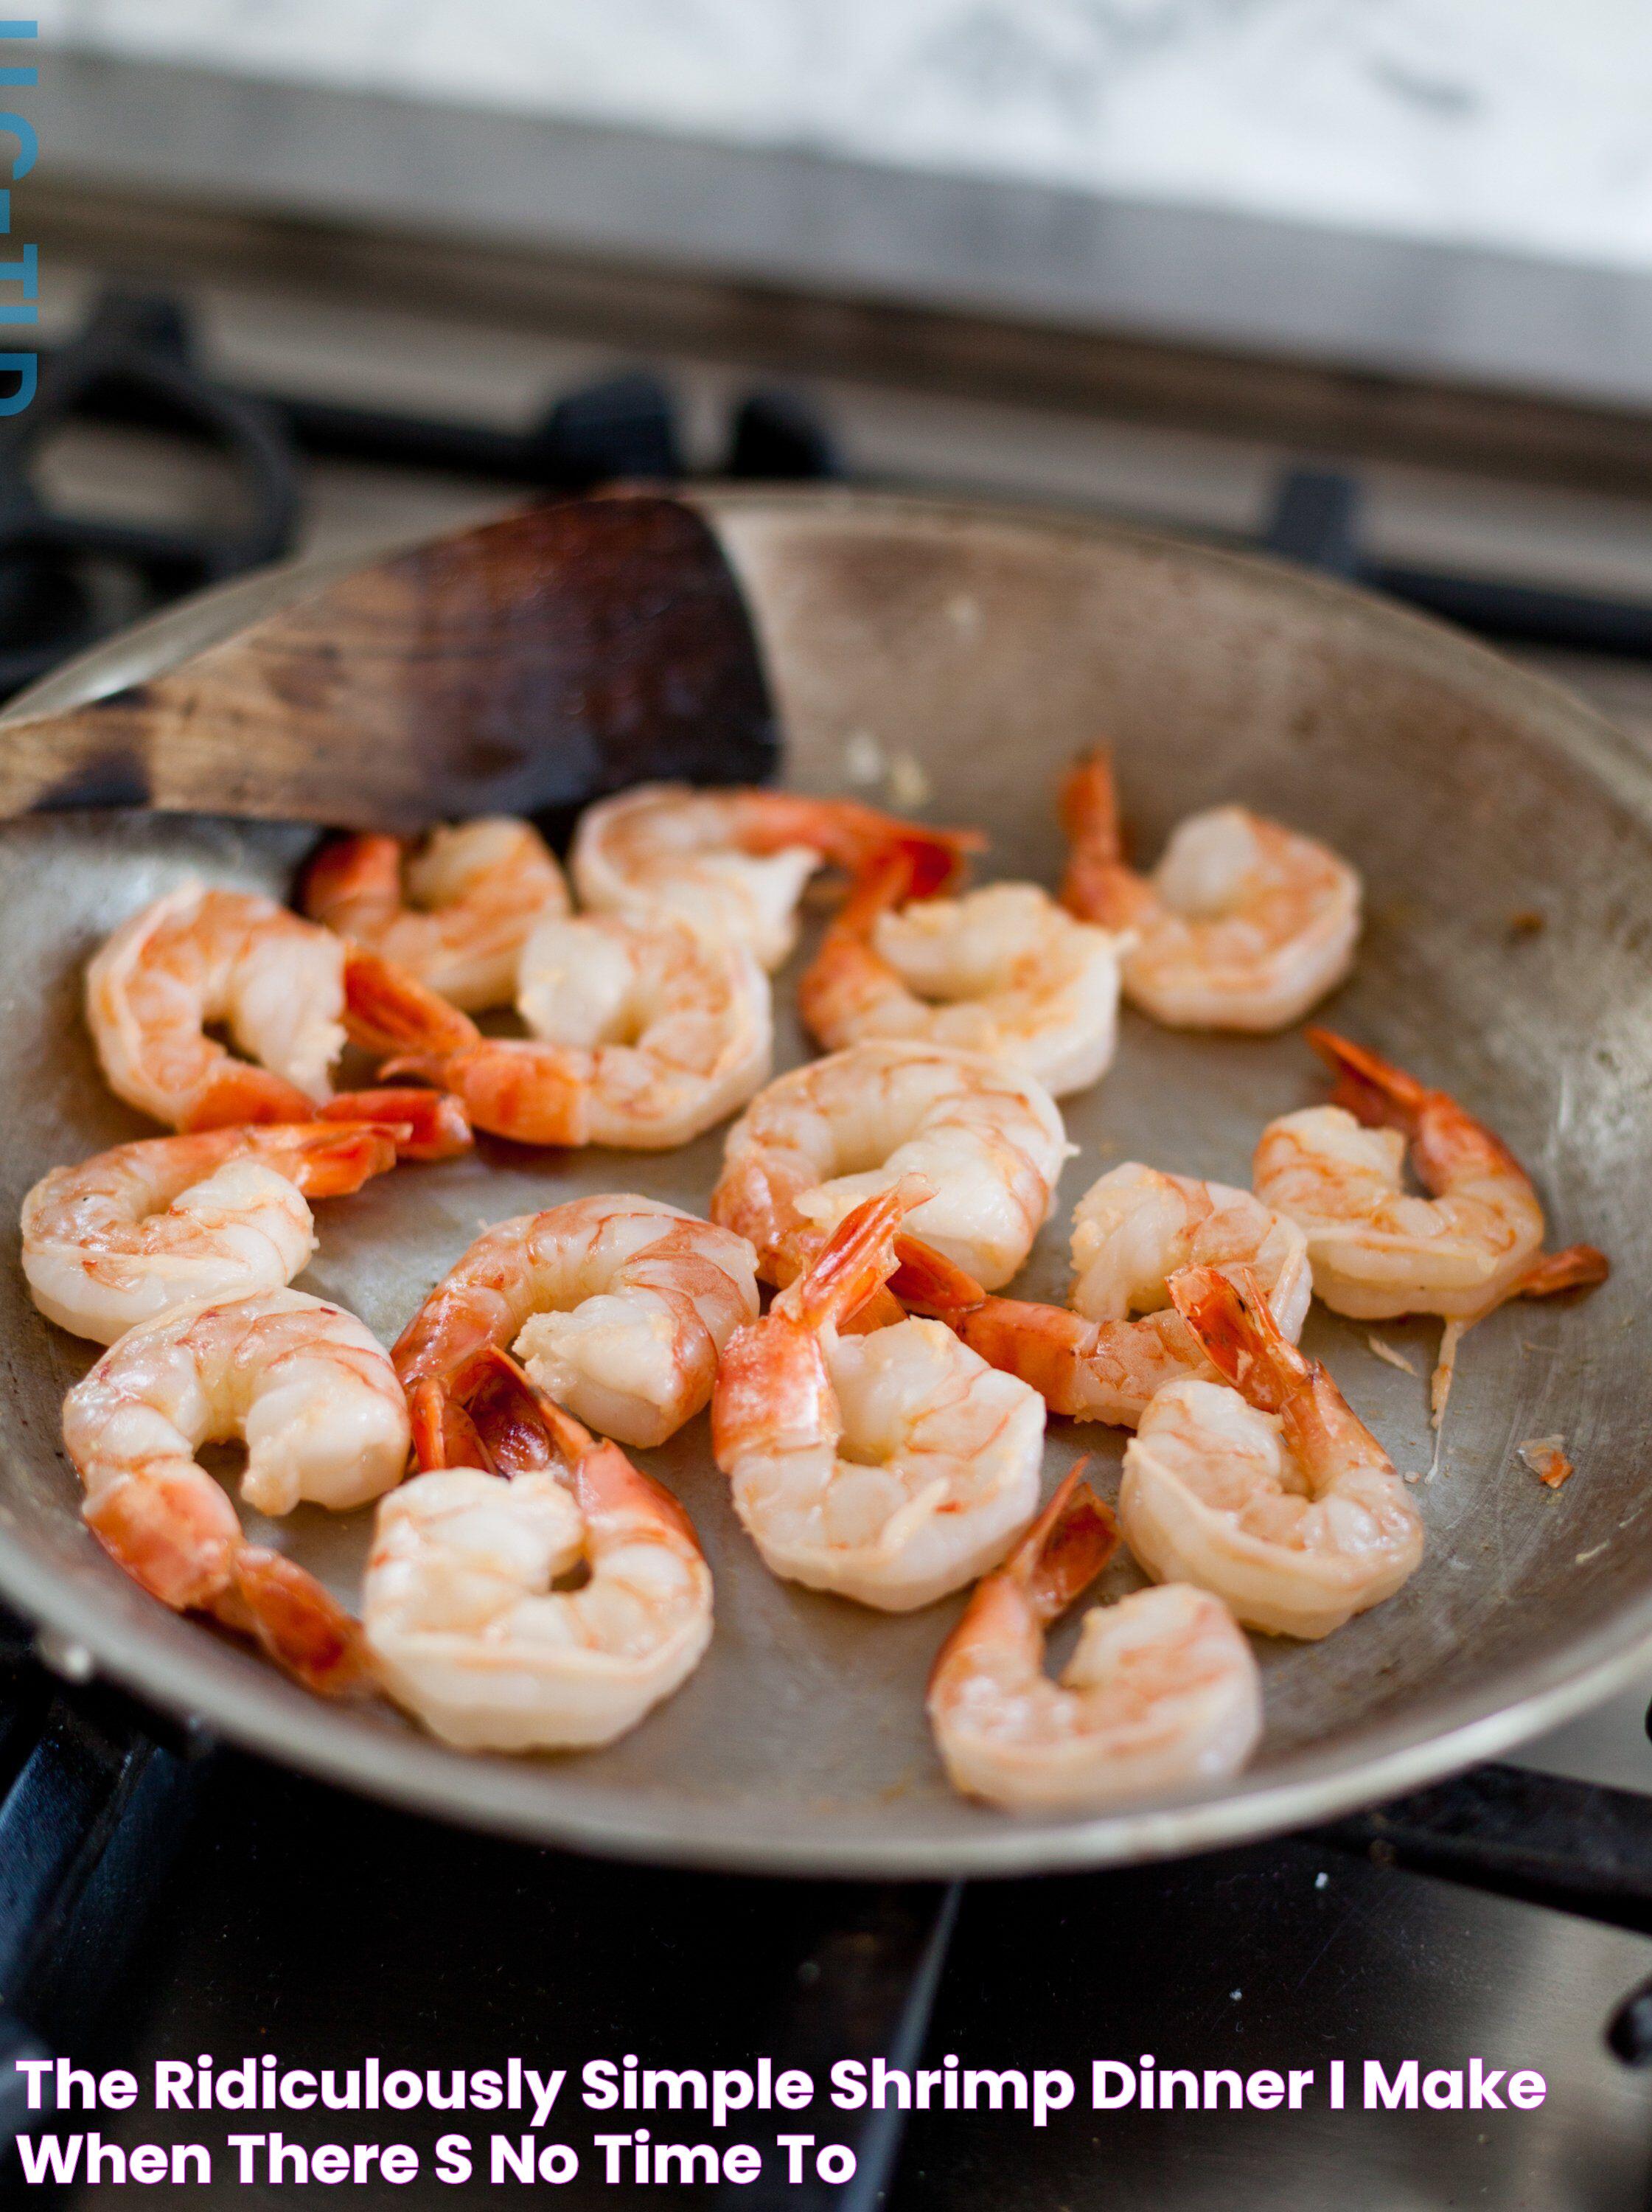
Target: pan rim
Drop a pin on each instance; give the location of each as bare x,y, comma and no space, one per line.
414,1772
519,1798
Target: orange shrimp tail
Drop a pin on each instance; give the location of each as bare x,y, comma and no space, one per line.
237,1093
300,1625
1089,804
911,866
444,1435
1097,882
847,974
851,835
1445,1138
426,1124
171,1537
858,1258
1372,1089
387,1010
348,871
1046,1346
1580,1266
332,1159
523,1429
1065,1548
536,1094
1232,1319
444,1331
925,1281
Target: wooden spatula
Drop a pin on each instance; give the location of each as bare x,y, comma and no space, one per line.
528,666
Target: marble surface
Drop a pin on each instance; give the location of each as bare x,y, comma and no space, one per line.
1518,124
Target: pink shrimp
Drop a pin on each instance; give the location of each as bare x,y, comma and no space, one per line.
1162,1693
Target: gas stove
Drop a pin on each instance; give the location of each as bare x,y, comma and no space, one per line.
162,1897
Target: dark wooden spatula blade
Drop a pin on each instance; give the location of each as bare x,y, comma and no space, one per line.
526,667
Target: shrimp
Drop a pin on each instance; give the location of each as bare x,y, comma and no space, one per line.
1243,925
891,1467
282,987
733,861
317,1401
1162,1693
1377,1250
455,912
1271,1493
1124,1340
459,1607
618,1307
650,1031
821,1139
1003,970
121,1238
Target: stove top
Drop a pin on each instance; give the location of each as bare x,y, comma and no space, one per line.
160,1898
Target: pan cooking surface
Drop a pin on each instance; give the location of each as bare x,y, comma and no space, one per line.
986,650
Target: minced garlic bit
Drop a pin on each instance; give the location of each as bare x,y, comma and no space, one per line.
1547,1458
908,781
863,758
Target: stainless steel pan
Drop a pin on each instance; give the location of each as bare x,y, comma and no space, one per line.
987,646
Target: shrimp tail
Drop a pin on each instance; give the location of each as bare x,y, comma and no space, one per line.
1230,1317
444,1435
538,1094
1096,873
300,1625
1372,1089
237,1093
857,1259
386,1010
927,1281
847,972
1580,1266
427,1125
349,870
1446,1141
522,1429
851,836
331,1161
174,1536
1065,1548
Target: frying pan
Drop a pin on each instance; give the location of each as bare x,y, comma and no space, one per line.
1505,834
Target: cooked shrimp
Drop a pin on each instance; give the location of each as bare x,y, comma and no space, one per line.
1243,925
821,1139
121,1238
1162,1693
735,861
892,1466
1132,1231
1271,1493
650,1031
1003,970
1376,1249
317,1401
197,956
618,1307
455,911
283,988
459,1607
